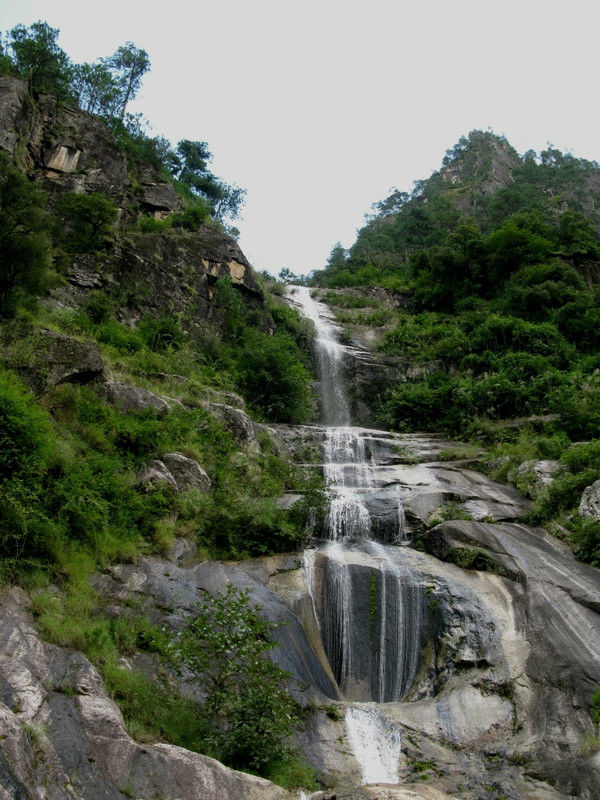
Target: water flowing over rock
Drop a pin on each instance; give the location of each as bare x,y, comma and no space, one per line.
483,648
378,743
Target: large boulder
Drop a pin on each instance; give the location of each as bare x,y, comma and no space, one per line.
187,472
132,398
57,359
177,471
156,474
589,508
237,422
540,474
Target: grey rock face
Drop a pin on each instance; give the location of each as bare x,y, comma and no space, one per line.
64,738
59,359
158,198
157,473
176,470
132,398
170,593
238,423
541,473
589,508
187,472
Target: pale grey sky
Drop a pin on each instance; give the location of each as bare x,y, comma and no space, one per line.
319,108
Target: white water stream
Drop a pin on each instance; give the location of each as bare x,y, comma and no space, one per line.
382,661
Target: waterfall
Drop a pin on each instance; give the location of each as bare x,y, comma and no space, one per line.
376,744
368,603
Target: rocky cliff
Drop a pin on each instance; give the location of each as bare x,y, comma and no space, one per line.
69,150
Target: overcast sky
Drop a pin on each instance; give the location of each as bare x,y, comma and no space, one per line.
319,108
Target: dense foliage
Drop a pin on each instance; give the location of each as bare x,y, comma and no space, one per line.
493,269
247,712
25,250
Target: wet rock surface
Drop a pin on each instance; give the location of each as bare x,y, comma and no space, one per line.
508,653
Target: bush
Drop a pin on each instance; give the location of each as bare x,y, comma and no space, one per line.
27,444
249,714
193,217
153,225
25,254
272,376
160,333
86,221
98,306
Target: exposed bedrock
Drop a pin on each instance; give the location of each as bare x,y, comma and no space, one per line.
63,738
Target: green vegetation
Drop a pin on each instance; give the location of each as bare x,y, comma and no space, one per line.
247,712
494,294
71,498
225,643
25,252
105,88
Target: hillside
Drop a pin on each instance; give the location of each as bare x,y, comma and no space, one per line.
480,292
215,584
142,363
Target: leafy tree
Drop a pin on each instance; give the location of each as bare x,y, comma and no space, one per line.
270,371
6,65
38,58
286,275
129,64
249,714
190,166
25,255
391,205
96,89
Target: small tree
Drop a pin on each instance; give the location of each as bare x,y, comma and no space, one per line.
129,64
85,221
249,714
96,89
190,166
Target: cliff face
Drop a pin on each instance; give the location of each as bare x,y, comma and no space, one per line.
69,150
75,151
486,162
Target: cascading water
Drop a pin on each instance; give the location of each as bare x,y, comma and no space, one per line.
369,604
376,744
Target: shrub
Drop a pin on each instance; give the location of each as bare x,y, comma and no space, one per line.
249,713
85,222
153,225
98,306
272,376
193,217
25,254
160,333
26,443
